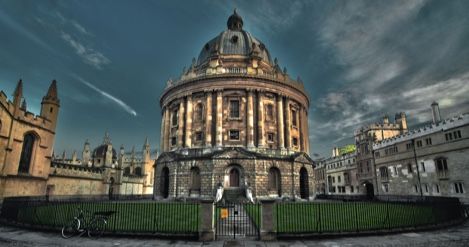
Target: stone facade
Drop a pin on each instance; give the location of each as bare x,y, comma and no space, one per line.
340,174
432,160
28,166
26,142
235,119
103,171
364,139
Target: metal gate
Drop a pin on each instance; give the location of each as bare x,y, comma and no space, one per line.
237,220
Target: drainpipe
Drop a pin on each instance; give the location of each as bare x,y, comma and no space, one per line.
293,179
418,169
373,166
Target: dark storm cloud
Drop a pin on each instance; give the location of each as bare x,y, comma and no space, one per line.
358,59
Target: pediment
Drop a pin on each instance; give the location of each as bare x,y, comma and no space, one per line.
303,158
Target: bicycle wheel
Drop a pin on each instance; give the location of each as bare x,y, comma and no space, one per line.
71,228
97,227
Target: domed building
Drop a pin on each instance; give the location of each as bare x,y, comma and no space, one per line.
234,119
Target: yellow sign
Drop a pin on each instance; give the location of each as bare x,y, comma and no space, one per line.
224,213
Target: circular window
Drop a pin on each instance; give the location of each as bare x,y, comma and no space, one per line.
234,39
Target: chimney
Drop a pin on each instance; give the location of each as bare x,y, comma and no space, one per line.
436,112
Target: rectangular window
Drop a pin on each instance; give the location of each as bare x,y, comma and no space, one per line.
351,189
234,108
339,179
234,135
174,119
437,188
457,134
295,141
423,166
408,146
383,172
416,189
173,141
270,137
395,170
419,143
198,136
428,141
459,188
426,188
449,136
441,165
294,118
409,168
386,187
368,166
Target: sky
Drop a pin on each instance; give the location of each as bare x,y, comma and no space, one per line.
358,60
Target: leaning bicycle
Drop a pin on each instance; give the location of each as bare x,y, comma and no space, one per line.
85,222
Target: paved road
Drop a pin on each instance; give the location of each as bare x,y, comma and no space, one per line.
454,236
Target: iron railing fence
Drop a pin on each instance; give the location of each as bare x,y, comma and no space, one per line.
388,198
363,216
143,217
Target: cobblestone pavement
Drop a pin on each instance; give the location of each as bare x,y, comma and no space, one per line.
454,236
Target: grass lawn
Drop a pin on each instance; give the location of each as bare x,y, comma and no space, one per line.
129,216
351,217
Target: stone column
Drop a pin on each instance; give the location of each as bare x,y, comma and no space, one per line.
260,116
288,123
167,128
301,128
250,120
189,122
208,120
207,224
219,137
306,130
181,124
280,121
267,231
162,129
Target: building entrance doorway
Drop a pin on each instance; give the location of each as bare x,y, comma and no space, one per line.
234,178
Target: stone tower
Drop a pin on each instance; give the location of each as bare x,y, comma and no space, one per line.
50,105
86,154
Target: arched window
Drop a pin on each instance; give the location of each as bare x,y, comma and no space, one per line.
164,186
27,153
127,171
198,112
195,178
138,171
274,180
269,112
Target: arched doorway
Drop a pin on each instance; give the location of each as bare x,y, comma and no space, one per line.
304,188
370,192
164,189
275,181
234,178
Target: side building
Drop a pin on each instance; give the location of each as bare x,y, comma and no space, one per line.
103,171
26,142
340,174
365,137
429,161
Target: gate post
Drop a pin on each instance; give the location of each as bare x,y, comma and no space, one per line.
206,230
267,231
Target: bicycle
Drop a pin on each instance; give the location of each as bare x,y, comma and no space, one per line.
79,224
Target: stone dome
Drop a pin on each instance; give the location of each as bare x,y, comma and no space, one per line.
234,42
100,152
